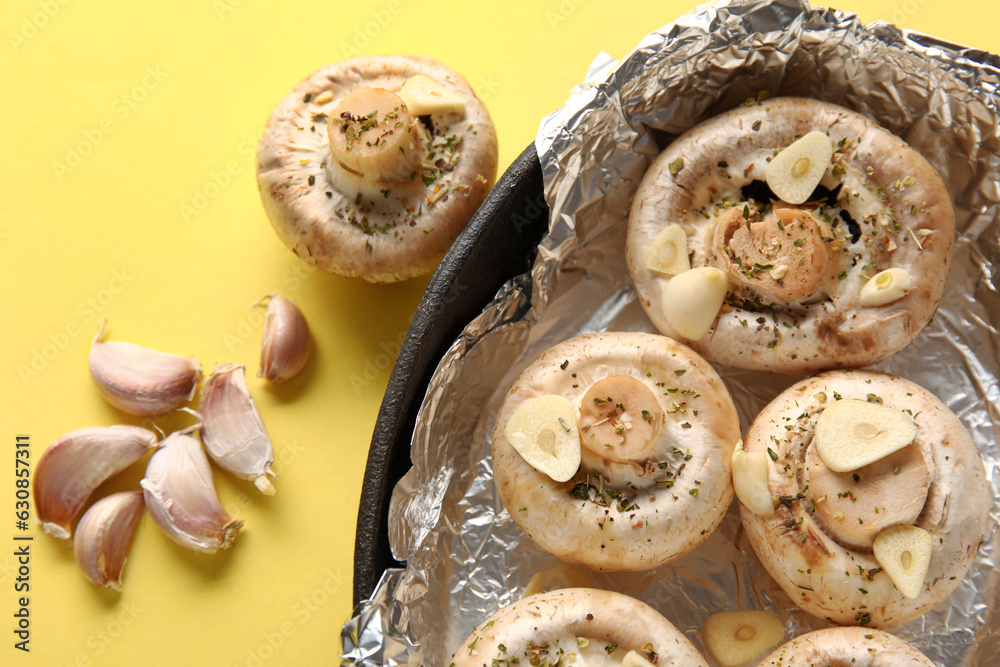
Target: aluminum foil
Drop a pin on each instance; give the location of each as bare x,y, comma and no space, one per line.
465,556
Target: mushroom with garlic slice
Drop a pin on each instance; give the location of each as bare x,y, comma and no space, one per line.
860,541
835,236
370,167
643,427
599,627
857,647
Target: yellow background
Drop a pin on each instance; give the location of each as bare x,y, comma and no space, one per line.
156,224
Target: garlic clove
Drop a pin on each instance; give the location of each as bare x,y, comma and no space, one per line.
423,95
750,480
544,431
76,464
795,172
904,552
634,659
139,380
103,537
852,433
232,430
735,637
885,287
692,300
285,346
180,496
668,254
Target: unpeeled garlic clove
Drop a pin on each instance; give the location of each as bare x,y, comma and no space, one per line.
180,496
76,464
139,380
103,537
285,347
232,429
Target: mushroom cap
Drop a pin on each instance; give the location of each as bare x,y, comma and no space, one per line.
379,232
657,507
900,216
845,584
854,647
596,624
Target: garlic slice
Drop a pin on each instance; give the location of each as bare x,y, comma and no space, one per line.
736,637
904,552
423,95
76,464
544,431
139,380
284,349
103,537
668,254
851,433
885,287
232,430
180,496
795,172
692,300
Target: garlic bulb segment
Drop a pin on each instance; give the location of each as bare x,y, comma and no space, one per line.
232,429
795,172
750,480
423,95
692,300
852,433
885,287
104,535
139,380
76,464
180,496
285,347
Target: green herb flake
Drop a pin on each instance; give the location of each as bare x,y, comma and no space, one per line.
772,454
693,492
676,166
680,372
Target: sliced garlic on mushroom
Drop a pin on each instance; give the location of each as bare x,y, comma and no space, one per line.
795,172
886,287
750,480
545,433
692,300
904,552
668,255
76,464
736,637
423,95
104,535
139,380
853,433
634,659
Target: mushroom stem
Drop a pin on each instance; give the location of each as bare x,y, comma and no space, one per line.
373,135
620,420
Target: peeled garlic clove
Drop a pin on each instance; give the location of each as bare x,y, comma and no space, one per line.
285,347
76,464
232,429
885,287
795,172
104,535
750,480
139,380
735,637
691,300
423,95
545,433
668,255
180,496
851,433
904,552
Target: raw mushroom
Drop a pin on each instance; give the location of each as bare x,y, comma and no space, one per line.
930,495
599,627
845,279
656,427
857,647
358,184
